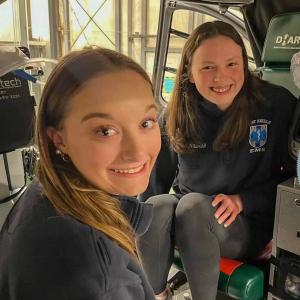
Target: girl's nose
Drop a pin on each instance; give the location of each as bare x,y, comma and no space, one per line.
132,148
219,75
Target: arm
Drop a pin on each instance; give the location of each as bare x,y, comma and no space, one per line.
164,170
261,198
254,199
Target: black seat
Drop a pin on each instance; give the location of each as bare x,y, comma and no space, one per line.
282,42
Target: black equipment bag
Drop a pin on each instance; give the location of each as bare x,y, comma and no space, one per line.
17,113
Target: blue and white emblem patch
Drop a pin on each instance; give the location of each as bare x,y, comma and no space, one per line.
258,135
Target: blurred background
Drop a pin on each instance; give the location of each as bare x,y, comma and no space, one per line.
52,28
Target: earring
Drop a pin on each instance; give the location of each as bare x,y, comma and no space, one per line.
64,157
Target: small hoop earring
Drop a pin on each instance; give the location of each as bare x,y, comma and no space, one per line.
63,156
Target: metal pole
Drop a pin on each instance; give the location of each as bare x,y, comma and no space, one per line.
118,25
66,29
55,42
129,36
21,6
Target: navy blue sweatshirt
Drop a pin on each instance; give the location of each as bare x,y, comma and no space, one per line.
46,256
252,171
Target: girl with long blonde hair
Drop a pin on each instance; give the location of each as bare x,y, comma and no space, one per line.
72,234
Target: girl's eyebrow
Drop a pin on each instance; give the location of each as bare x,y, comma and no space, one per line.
228,59
108,116
234,57
96,115
151,106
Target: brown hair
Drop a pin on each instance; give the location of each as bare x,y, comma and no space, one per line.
64,186
182,121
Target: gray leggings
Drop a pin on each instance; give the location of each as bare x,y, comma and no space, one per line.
189,223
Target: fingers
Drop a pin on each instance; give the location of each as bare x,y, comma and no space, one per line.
224,216
230,220
228,208
223,207
218,199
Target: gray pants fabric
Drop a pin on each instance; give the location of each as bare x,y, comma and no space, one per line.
188,221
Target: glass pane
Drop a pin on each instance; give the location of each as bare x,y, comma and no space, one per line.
149,63
124,27
90,6
40,20
202,18
173,61
168,85
181,20
185,21
176,41
236,11
7,33
92,22
151,42
92,35
136,16
152,17
152,22
105,18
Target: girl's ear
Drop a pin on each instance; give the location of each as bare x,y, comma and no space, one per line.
190,74
57,138
191,78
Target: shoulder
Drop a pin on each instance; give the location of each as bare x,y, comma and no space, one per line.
281,100
52,249
49,249
277,93
33,224
34,214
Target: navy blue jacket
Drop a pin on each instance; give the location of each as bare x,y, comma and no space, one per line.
253,170
45,256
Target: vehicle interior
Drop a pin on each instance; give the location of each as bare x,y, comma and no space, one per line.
271,32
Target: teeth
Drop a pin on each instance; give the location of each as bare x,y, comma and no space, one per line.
129,171
221,90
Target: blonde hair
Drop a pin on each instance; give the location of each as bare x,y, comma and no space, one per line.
69,192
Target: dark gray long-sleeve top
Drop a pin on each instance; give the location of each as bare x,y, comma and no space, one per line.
252,171
47,256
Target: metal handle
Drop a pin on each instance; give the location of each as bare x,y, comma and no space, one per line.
187,296
297,202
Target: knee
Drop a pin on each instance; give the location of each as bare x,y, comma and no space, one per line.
193,207
163,209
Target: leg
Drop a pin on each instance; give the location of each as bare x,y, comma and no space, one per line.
156,246
201,241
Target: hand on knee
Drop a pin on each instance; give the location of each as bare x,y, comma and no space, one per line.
229,207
